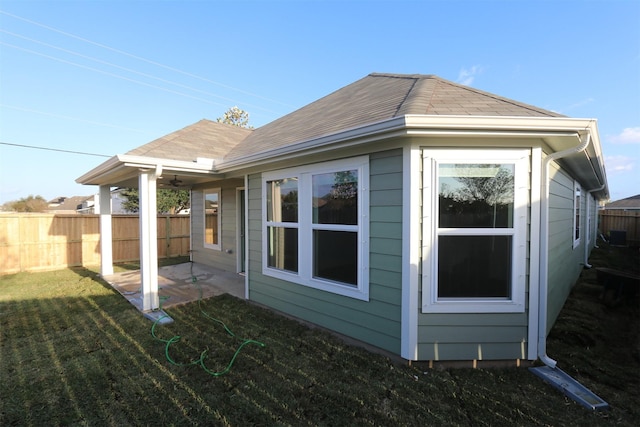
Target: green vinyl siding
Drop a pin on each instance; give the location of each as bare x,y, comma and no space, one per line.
472,351
470,336
228,227
375,322
458,336
565,261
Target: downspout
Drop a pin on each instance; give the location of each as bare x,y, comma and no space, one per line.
544,249
586,244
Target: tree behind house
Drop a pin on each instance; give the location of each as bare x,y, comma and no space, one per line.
167,201
29,204
235,116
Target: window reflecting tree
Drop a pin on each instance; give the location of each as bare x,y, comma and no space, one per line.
476,195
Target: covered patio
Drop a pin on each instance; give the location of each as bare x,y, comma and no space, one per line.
178,284
186,159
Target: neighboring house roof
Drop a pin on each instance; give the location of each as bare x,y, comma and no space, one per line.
57,201
375,98
630,203
67,204
202,139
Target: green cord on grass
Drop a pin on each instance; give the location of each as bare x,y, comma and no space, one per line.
203,354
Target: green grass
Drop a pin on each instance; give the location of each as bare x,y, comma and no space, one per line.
73,352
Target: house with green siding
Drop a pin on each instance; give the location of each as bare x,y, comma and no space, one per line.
422,217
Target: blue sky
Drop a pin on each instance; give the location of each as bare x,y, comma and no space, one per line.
104,77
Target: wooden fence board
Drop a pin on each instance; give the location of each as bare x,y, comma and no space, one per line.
39,242
620,220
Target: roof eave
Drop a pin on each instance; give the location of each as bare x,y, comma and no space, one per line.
124,167
354,136
561,131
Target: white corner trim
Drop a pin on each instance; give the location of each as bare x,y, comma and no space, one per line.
411,185
534,253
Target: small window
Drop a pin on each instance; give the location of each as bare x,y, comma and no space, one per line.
589,219
315,227
212,218
576,215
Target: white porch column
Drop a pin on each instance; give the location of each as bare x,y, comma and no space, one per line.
106,232
148,240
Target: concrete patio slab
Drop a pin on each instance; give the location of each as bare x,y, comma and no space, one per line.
179,284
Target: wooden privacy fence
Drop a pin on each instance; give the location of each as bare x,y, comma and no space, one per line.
618,220
38,242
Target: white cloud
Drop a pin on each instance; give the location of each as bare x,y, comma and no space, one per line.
618,164
467,75
627,136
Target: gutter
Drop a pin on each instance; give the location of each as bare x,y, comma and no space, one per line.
413,125
544,248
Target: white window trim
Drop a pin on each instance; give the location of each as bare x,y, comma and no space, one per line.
304,275
430,301
576,211
217,246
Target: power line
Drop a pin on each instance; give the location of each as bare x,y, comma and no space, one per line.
54,149
100,61
60,116
167,67
110,74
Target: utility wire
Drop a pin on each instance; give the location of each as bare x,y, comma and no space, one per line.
111,74
100,61
54,149
142,59
60,116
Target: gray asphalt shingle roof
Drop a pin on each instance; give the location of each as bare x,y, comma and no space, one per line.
379,97
372,99
632,202
205,138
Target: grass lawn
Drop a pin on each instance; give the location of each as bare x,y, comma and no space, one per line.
74,352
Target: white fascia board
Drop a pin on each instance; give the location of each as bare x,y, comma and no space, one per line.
105,167
353,136
123,164
562,130
420,125
548,124
167,164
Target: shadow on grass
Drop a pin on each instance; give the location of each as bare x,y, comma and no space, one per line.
75,352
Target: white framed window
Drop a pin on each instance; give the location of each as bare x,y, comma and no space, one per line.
315,226
475,205
576,213
211,207
589,227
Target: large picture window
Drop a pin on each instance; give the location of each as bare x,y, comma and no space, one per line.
473,255
212,218
315,228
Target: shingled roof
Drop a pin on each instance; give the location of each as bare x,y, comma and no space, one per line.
630,203
379,97
375,107
202,139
